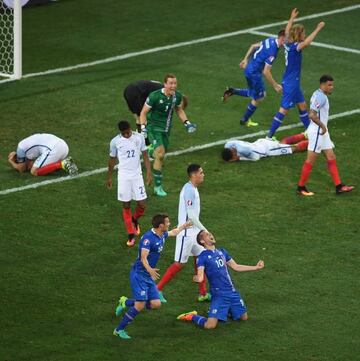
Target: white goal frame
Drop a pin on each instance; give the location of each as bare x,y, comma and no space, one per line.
16,72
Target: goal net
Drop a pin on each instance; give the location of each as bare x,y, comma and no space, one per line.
10,39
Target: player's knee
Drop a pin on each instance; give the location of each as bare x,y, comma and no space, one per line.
211,324
155,304
244,317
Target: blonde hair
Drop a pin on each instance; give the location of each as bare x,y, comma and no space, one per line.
295,33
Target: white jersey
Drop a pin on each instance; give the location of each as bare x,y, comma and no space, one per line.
128,151
189,199
34,146
259,149
319,102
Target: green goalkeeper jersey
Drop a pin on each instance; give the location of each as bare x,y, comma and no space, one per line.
159,118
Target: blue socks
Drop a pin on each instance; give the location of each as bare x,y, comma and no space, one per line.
241,92
199,320
250,110
276,122
128,317
304,117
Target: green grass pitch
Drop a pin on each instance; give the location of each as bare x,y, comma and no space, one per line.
63,258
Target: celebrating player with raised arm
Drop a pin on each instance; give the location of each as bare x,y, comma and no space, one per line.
144,272
225,298
263,55
292,92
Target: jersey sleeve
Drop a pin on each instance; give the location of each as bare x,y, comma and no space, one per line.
20,155
226,255
113,149
317,101
150,100
142,145
145,244
189,198
200,262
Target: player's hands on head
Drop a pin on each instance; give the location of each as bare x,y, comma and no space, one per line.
154,273
260,264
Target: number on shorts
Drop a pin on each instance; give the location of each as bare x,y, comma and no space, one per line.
142,190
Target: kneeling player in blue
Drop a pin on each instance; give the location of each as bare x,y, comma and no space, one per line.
143,272
225,299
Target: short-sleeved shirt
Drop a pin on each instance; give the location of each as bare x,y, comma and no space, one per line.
216,270
160,116
128,151
293,59
155,244
265,54
189,199
319,102
35,145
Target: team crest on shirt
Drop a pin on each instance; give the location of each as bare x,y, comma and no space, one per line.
146,242
317,105
189,202
161,101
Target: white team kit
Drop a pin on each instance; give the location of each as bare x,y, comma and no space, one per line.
130,180
43,148
261,148
320,104
186,244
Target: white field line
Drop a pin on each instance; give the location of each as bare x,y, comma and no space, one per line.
171,154
181,44
314,43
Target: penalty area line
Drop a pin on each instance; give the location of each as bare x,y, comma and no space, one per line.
171,154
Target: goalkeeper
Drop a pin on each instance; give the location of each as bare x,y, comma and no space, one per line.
156,123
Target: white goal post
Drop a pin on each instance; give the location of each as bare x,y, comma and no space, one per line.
11,38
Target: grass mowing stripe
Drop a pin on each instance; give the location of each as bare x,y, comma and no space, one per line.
181,44
171,154
314,43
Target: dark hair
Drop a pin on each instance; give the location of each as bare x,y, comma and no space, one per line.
193,168
226,154
281,32
169,75
325,78
199,237
159,219
123,125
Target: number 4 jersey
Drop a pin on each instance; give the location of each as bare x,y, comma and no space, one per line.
128,151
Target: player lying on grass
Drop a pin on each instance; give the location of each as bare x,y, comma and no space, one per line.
42,154
143,272
225,299
235,150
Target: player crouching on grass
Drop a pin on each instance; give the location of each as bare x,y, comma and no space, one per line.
143,272
225,299
42,154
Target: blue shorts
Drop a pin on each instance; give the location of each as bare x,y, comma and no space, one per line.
256,86
225,303
292,95
143,288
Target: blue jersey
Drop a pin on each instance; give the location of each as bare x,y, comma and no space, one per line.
293,58
216,269
155,244
265,54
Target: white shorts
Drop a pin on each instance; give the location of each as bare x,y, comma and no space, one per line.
59,152
318,142
186,246
279,149
131,189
